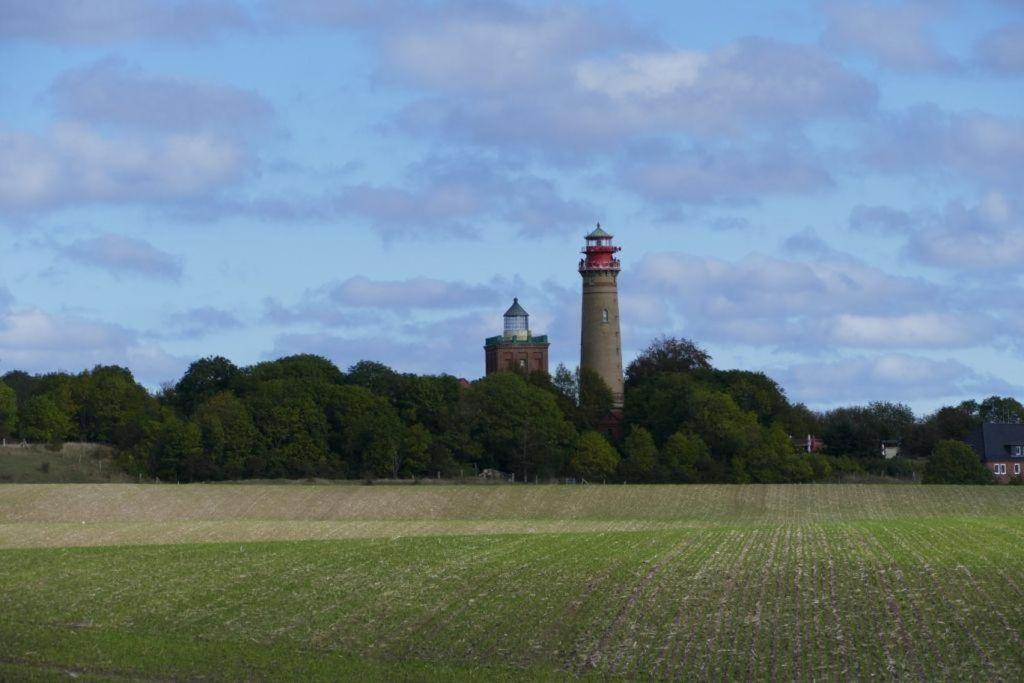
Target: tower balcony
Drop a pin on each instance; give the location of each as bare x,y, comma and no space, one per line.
589,264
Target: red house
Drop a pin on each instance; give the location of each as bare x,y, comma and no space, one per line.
1001,448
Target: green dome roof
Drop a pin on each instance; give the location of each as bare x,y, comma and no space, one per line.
598,233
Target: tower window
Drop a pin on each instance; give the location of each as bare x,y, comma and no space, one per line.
604,315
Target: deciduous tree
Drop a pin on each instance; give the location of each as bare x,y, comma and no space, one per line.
954,462
594,458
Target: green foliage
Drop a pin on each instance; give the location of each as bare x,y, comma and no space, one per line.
8,412
667,355
229,435
174,449
995,409
415,450
920,439
113,406
43,421
367,431
684,458
858,431
775,460
203,379
595,399
594,458
640,456
564,383
518,426
954,462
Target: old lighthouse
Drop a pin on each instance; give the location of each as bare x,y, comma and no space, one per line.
600,340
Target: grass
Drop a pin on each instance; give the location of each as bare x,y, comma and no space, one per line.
492,583
71,463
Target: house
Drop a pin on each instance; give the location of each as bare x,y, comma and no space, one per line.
808,444
890,448
1001,448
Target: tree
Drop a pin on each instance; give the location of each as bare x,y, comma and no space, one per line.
229,435
114,408
366,430
954,462
8,411
44,421
1000,409
640,455
682,455
204,378
775,460
415,450
667,354
754,392
564,383
594,458
518,427
174,449
946,423
661,405
859,430
595,398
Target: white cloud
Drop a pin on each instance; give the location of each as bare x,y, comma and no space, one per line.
73,163
648,76
566,82
120,255
107,21
36,341
112,92
724,174
888,377
975,144
418,292
1002,49
897,35
200,322
985,237
833,302
917,330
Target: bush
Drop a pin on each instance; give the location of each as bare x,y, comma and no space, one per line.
954,462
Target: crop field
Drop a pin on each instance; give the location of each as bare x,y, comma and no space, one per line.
511,582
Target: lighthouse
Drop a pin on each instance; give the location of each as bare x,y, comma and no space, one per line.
517,348
600,339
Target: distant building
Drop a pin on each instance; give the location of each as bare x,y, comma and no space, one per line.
517,348
890,448
1000,447
808,444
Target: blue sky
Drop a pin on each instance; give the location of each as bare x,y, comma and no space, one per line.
825,191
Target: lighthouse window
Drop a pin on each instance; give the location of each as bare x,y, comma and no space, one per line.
604,315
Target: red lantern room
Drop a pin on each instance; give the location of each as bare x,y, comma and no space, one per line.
599,252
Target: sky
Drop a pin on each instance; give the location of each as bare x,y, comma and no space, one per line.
828,192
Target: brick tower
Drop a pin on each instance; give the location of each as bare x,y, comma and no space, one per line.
516,349
600,341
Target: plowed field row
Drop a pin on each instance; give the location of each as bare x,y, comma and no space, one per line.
933,593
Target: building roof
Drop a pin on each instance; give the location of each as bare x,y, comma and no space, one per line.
598,233
515,310
990,440
532,340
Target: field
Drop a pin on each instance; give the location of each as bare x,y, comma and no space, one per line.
72,463
511,582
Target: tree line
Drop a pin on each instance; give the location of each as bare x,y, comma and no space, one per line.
301,416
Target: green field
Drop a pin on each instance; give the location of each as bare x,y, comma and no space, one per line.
507,582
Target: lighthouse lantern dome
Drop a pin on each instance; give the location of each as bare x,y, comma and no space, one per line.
517,322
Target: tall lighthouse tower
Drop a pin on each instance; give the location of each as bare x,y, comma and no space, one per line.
600,340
